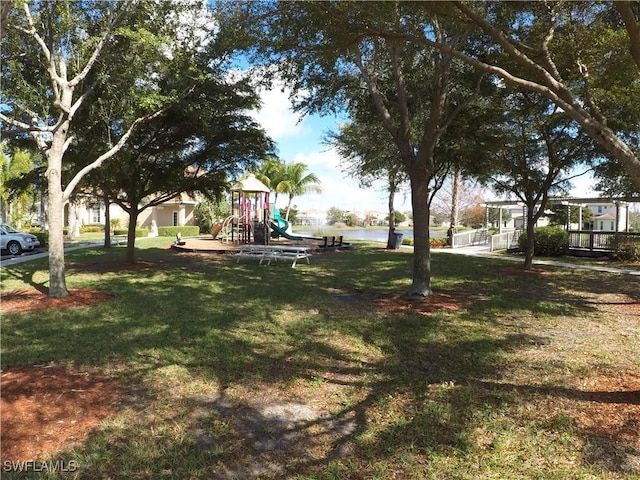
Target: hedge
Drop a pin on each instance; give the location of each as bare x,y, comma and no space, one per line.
435,242
184,231
92,228
140,232
625,249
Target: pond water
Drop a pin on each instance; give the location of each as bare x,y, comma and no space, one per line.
368,234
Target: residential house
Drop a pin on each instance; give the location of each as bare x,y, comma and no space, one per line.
609,215
89,209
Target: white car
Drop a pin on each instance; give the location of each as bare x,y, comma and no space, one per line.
16,242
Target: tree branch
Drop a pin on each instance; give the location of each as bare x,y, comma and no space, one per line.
401,88
96,52
632,24
376,96
43,46
551,66
108,154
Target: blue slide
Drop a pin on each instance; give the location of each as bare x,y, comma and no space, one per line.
280,226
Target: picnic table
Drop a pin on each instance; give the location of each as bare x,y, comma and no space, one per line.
270,253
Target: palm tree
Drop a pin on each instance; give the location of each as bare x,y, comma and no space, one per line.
272,174
298,182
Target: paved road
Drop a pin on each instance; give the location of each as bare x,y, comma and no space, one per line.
7,260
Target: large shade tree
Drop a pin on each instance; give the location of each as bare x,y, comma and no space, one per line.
540,146
329,56
563,51
193,146
50,50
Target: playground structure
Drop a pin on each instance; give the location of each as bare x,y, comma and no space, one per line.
254,220
280,228
249,219
223,231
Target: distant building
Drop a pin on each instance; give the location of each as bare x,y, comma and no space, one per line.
610,215
312,217
89,209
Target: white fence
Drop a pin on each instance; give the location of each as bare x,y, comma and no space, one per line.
504,241
472,237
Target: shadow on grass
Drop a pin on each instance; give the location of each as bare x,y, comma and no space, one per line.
385,389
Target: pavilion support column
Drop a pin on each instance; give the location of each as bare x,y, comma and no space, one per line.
579,217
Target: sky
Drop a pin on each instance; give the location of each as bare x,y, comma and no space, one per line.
301,140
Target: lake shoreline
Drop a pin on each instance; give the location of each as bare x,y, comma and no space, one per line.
374,234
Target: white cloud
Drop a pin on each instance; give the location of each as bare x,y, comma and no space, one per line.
301,141
276,114
582,186
326,159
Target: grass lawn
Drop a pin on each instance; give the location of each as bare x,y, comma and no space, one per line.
324,372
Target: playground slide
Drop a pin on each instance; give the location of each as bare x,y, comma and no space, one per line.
281,229
280,222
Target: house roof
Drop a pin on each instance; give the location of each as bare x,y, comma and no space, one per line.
606,216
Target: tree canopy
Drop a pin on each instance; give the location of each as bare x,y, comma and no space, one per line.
340,56
121,60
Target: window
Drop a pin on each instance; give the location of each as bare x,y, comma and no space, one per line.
599,209
175,219
96,216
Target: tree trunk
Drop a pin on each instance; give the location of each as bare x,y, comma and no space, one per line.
421,280
107,221
453,219
57,283
74,220
286,217
391,239
131,235
531,240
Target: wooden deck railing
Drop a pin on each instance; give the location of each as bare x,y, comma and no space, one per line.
598,240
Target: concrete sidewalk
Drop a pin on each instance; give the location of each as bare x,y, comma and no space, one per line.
483,251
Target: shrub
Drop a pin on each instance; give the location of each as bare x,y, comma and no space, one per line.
626,249
91,228
185,231
407,241
548,241
140,232
438,242
43,236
